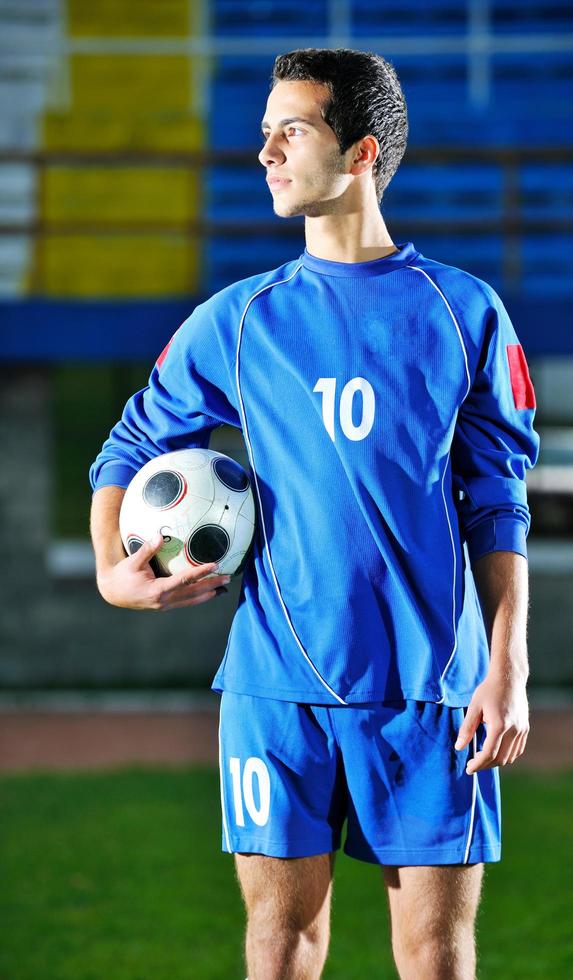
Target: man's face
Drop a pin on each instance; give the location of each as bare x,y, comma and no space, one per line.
305,169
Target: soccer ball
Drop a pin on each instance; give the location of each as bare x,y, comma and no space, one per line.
202,503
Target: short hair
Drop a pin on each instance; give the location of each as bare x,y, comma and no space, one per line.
365,99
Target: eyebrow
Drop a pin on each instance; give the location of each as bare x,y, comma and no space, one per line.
291,119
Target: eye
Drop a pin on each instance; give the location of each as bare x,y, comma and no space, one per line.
290,131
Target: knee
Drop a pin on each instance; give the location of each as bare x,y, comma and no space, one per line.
290,928
311,942
436,952
288,915
284,941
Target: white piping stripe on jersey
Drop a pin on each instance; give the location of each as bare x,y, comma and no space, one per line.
464,352
460,338
250,452
454,579
225,828
473,810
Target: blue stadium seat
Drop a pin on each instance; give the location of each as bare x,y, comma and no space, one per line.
407,17
547,264
230,259
237,194
547,191
444,192
239,89
262,18
531,16
529,84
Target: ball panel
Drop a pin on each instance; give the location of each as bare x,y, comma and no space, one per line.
236,560
208,543
231,474
172,545
133,544
247,509
164,489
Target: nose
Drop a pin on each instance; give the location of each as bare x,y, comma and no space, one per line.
271,153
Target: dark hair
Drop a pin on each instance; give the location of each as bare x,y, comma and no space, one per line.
365,99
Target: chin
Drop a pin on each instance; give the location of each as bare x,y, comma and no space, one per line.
284,209
309,208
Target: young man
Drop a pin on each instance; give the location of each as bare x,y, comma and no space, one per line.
371,671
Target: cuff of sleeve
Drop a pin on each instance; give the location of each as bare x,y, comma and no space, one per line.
114,475
497,534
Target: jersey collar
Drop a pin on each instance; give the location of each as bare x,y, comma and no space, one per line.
406,254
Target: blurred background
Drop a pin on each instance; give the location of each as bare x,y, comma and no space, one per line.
130,191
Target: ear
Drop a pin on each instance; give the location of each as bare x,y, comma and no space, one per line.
365,153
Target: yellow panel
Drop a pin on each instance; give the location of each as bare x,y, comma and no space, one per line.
125,266
120,194
147,83
177,131
130,18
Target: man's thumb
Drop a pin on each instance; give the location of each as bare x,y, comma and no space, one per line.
155,543
148,549
468,728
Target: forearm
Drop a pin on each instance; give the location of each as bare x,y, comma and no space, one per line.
501,579
104,528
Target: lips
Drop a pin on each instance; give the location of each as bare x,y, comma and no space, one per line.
276,182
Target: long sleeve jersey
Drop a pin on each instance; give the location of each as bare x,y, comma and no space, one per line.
387,412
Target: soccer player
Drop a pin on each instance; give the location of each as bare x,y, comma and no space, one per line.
376,666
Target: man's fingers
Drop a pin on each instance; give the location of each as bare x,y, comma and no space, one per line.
523,744
185,587
503,754
518,747
169,594
194,600
148,550
484,758
499,749
468,727
190,576
506,754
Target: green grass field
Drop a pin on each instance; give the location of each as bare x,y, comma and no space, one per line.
120,875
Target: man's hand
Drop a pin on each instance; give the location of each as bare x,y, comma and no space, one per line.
501,704
500,701
131,583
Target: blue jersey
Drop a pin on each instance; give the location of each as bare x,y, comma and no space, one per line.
387,411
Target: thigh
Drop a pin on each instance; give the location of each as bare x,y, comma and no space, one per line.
281,791
290,892
426,902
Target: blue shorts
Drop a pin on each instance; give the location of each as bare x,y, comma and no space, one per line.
291,774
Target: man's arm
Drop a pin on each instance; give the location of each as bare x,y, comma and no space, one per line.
187,396
500,701
493,446
129,582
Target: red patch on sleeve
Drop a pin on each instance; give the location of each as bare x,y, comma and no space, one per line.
163,354
521,384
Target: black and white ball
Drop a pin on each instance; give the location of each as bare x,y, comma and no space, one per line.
202,503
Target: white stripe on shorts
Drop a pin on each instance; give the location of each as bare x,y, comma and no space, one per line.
225,828
474,795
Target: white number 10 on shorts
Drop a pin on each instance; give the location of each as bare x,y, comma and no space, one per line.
243,790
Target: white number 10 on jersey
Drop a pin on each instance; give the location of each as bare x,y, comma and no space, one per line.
328,388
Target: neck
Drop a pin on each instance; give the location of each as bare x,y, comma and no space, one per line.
358,236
